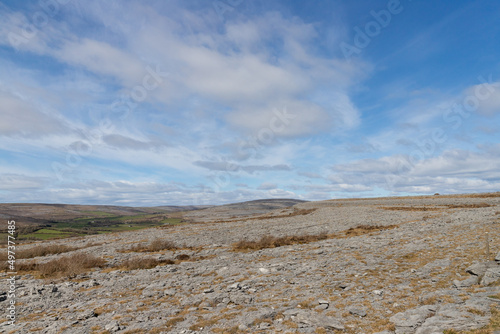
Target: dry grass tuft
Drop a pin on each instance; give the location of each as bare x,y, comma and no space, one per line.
272,242
182,257
43,251
410,208
364,229
469,206
144,263
70,265
156,245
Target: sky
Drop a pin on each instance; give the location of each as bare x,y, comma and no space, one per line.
201,102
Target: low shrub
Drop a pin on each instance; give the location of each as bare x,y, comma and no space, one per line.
272,242
70,265
144,263
43,251
156,245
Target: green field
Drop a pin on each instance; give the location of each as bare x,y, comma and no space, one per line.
95,223
44,234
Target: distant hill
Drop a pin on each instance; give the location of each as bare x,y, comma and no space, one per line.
243,209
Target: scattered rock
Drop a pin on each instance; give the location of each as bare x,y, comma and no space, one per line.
358,312
492,275
477,269
317,320
113,326
252,287
407,321
467,282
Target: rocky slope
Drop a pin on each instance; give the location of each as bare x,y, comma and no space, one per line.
389,265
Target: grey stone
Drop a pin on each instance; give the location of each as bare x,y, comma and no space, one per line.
497,258
407,321
292,312
317,320
169,292
492,275
113,326
358,312
466,283
86,315
477,269
321,307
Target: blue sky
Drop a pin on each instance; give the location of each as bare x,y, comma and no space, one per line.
207,102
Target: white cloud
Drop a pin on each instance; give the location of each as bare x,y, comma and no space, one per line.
484,98
289,118
453,171
102,58
268,186
18,182
21,118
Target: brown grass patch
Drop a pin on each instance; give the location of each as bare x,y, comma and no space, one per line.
43,251
144,263
410,208
273,242
364,229
295,212
70,265
140,262
469,206
182,257
156,245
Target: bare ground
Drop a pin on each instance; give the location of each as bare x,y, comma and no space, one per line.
403,275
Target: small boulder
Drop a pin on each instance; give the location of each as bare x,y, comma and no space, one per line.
477,269
491,275
410,319
466,283
358,312
112,326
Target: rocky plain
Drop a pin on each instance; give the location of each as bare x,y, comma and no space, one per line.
427,264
